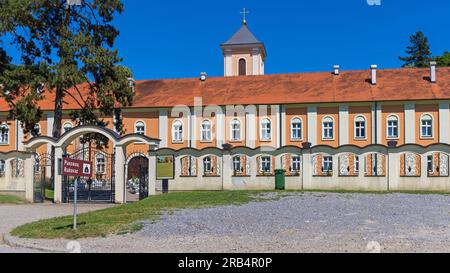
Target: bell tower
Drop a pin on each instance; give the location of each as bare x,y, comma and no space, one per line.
243,54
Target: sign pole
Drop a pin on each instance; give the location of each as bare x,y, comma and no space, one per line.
75,204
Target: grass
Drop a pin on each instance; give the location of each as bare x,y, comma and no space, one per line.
10,199
126,218
49,194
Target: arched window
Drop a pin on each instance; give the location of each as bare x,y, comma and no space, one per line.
426,126
327,128
242,67
36,130
67,127
296,129
266,130
100,163
360,127
207,165
392,127
206,131
139,128
235,130
177,131
4,134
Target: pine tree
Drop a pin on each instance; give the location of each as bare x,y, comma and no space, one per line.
419,52
63,45
444,60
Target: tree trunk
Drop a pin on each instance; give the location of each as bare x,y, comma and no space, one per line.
57,122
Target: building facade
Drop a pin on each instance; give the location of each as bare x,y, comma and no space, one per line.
251,111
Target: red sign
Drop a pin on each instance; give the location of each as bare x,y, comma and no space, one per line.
74,167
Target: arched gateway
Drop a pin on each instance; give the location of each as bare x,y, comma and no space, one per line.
109,177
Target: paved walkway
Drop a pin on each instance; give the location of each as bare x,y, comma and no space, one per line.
300,222
12,216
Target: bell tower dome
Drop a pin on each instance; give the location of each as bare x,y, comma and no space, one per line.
243,54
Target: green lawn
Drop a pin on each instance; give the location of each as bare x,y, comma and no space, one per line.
7,199
49,194
125,218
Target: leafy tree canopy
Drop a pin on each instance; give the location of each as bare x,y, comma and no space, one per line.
62,45
444,60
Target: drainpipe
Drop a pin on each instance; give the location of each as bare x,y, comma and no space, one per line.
17,135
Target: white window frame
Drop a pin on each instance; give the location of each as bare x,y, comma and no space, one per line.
265,161
265,131
140,124
207,161
358,129
5,127
66,125
234,122
177,131
206,132
356,164
392,118
97,163
327,120
237,162
326,162
430,156
426,118
298,163
297,120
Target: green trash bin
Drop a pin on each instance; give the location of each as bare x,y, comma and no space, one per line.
280,179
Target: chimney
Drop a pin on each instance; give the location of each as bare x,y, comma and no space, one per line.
203,76
336,70
433,72
373,68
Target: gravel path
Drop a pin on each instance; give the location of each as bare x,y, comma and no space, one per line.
299,222
12,216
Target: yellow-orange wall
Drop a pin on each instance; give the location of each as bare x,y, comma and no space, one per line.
292,113
433,110
353,113
323,112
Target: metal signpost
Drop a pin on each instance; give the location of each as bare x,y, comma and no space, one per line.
76,168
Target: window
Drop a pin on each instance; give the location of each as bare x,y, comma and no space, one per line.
36,131
206,131
266,130
237,164
327,164
296,129
100,164
139,128
392,127
207,165
426,126
296,164
360,128
356,164
242,67
266,164
235,130
2,168
328,128
4,134
67,127
177,131
430,164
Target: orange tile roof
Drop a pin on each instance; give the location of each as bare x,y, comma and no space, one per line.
322,87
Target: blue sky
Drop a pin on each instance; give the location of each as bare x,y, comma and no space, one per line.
175,38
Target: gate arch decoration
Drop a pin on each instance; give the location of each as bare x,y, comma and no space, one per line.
119,145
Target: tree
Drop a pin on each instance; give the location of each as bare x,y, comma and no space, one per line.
444,60
65,47
419,52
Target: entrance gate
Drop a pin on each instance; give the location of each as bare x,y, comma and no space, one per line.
98,188
137,177
43,176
